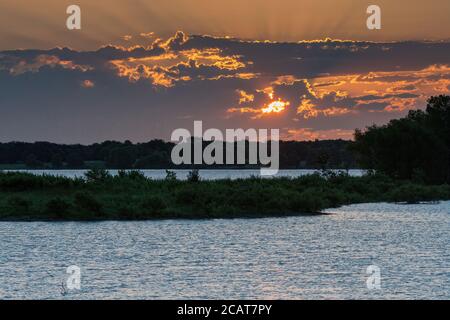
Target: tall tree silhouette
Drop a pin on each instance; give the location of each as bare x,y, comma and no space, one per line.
412,147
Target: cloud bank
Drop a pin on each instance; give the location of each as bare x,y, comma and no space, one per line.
310,90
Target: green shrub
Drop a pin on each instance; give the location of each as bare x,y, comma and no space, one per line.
19,205
14,181
186,195
309,201
97,175
57,207
412,193
87,202
170,175
132,196
131,174
127,211
193,176
153,205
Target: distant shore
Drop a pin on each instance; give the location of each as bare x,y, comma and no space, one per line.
131,196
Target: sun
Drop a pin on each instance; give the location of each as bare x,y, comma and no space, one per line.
275,106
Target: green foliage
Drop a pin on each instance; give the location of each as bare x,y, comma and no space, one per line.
193,176
131,175
130,195
171,176
75,160
32,162
414,193
122,157
19,181
19,205
58,207
57,161
309,200
87,202
97,175
155,159
416,147
188,196
153,205
156,154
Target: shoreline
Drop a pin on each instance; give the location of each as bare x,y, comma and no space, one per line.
243,217
130,196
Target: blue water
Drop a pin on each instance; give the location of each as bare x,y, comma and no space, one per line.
315,257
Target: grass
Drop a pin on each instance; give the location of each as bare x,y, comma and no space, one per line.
132,196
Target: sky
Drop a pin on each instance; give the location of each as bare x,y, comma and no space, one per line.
140,69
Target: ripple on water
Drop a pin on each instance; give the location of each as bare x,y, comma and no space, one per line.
273,258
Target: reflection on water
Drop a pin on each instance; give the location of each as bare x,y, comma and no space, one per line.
209,174
275,258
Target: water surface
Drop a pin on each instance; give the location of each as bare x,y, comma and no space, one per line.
207,174
322,257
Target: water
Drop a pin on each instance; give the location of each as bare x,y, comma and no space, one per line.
319,257
207,174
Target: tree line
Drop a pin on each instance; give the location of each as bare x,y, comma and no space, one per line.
156,154
416,147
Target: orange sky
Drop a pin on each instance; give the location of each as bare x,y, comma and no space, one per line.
41,23
130,63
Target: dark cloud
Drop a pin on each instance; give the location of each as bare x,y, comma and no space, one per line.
146,91
387,96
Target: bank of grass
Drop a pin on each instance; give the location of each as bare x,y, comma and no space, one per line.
130,195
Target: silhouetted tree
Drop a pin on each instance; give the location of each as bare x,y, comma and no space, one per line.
122,158
75,160
32,162
57,161
417,146
156,154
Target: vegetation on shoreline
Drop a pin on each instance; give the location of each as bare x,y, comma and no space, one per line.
130,195
156,154
410,155
414,147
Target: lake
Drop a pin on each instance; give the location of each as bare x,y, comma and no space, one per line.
207,174
311,257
